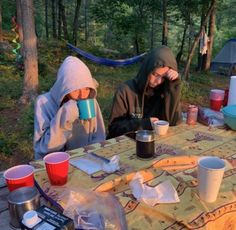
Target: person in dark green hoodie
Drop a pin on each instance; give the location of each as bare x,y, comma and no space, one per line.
154,94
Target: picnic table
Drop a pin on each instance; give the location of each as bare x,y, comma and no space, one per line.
176,156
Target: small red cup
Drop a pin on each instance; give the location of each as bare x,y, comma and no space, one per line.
217,94
19,176
216,99
216,104
57,165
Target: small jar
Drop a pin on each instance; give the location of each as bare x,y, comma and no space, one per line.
192,115
145,143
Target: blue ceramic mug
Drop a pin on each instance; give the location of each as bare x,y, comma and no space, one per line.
86,109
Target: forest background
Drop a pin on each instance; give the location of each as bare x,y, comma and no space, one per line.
106,28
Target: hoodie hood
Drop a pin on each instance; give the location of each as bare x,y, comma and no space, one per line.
159,57
72,75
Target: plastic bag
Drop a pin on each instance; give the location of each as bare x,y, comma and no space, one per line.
210,117
94,210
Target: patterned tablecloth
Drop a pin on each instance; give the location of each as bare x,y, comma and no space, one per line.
175,159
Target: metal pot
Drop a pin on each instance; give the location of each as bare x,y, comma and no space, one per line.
145,143
20,201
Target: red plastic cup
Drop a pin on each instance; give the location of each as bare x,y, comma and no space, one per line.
216,99
57,165
217,94
216,105
19,176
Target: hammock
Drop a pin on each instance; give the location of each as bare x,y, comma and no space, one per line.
106,61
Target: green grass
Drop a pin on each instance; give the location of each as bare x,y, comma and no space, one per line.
16,121
7,143
197,89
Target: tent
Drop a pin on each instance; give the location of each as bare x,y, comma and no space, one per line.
225,60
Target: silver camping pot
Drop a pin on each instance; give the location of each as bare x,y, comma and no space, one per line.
145,143
20,201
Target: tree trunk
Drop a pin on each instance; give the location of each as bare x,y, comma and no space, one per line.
194,45
211,36
1,35
63,15
86,20
199,62
19,24
30,56
46,18
190,35
136,45
108,35
59,19
180,53
54,31
164,27
152,30
76,20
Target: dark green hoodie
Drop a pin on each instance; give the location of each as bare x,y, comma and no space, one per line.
134,103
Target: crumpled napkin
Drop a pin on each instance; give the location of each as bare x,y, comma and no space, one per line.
162,193
111,166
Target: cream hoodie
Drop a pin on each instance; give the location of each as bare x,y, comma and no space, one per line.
56,126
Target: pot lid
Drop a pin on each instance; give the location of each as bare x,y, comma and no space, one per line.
145,135
22,195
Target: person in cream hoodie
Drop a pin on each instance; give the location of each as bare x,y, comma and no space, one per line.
57,126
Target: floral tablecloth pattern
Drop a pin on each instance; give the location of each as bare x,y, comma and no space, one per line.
175,159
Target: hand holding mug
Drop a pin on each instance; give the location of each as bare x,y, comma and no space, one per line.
86,109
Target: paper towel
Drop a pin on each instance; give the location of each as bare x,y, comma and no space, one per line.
112,166
232,91
162,193
92,163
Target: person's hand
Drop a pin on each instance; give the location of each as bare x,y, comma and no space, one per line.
172,75
153,119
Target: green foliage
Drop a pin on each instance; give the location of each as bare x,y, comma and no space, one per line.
197,89
195,94
25,148
126,20
190,92
116,24
10,81
202,78
13,143
10,85
7,143
8,10
7,103
26,122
